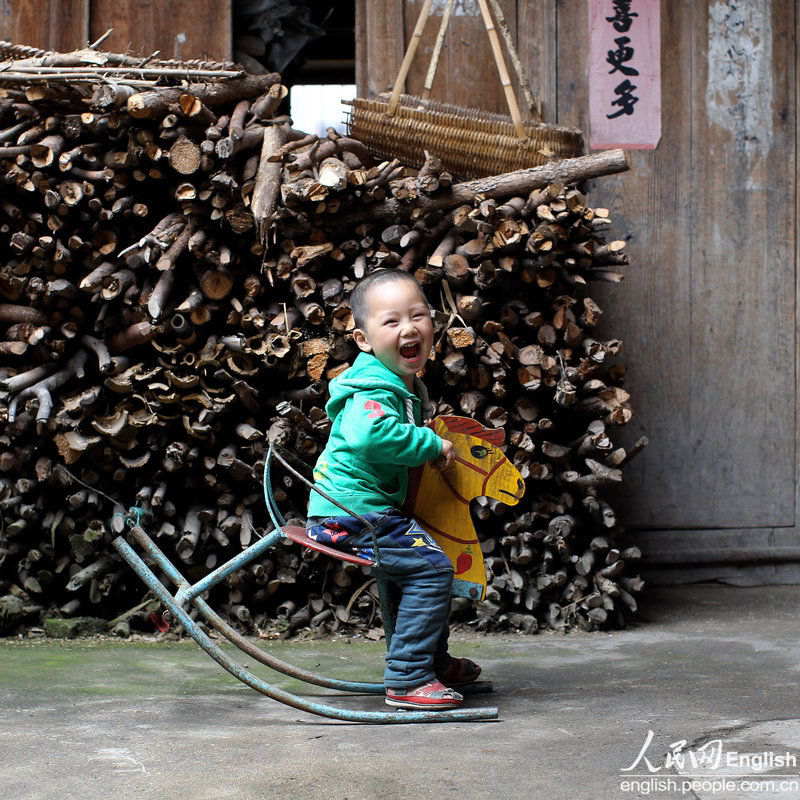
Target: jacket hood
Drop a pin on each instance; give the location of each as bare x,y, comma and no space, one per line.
368,373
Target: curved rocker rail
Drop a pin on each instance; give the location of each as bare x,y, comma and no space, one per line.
152,550
234,637
215,652
359,687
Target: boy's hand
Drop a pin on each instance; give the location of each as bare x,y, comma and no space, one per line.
446,457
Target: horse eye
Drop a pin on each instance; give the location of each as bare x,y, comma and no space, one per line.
479,452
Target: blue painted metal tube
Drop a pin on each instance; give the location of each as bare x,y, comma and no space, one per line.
320,709
278,520
157,554
187,593
152,550
234,637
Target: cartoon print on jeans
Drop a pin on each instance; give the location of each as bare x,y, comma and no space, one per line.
331,533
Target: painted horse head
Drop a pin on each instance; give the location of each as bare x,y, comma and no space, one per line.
482,467
439,500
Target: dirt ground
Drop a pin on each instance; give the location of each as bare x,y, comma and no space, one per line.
581,716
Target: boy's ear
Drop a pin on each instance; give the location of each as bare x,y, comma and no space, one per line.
360,338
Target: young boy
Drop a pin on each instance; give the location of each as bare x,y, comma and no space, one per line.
376,407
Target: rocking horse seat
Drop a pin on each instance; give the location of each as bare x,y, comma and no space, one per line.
297,535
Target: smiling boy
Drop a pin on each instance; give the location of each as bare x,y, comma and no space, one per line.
377,407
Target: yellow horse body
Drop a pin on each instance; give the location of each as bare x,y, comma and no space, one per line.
439,500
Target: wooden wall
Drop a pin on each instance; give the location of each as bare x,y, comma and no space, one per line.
707,311
178,28
708,308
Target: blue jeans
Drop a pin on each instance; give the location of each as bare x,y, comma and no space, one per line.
419,576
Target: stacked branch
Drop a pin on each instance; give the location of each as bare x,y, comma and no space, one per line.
176,267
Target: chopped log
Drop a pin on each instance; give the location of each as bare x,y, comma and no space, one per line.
265,106
167,261
89,573
184,156
156,102
267,186
216,284
133,336
509,184
14,313
333,173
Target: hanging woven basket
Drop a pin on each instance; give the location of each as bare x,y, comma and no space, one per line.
470,142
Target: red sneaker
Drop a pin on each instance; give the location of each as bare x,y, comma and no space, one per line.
433,696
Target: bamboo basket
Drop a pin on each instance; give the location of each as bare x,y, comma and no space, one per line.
471,143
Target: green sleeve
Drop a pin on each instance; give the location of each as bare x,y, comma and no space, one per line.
374,426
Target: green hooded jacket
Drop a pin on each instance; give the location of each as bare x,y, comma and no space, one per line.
375,437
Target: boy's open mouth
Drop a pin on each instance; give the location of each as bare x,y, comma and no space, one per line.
410,350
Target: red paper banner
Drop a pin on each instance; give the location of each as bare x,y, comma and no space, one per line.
624,74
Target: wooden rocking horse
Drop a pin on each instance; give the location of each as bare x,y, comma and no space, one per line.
438,500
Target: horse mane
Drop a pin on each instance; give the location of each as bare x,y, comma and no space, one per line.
495,436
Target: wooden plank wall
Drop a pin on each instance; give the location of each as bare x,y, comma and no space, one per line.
48,24
379,46
466,73
708,308
179,28
707,311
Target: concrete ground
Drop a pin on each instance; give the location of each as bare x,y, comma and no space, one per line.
712,666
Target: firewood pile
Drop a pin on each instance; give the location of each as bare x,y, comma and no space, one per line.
176,266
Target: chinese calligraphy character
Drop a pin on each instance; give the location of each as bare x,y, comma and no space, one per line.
707,756
626,100
623,16
618,57
642,757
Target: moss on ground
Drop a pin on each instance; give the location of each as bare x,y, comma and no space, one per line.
103,666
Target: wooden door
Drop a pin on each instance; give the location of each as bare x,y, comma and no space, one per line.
707,310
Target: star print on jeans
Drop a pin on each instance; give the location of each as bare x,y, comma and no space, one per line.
374,407
420,537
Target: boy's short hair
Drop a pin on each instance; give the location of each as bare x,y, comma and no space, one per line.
358,298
